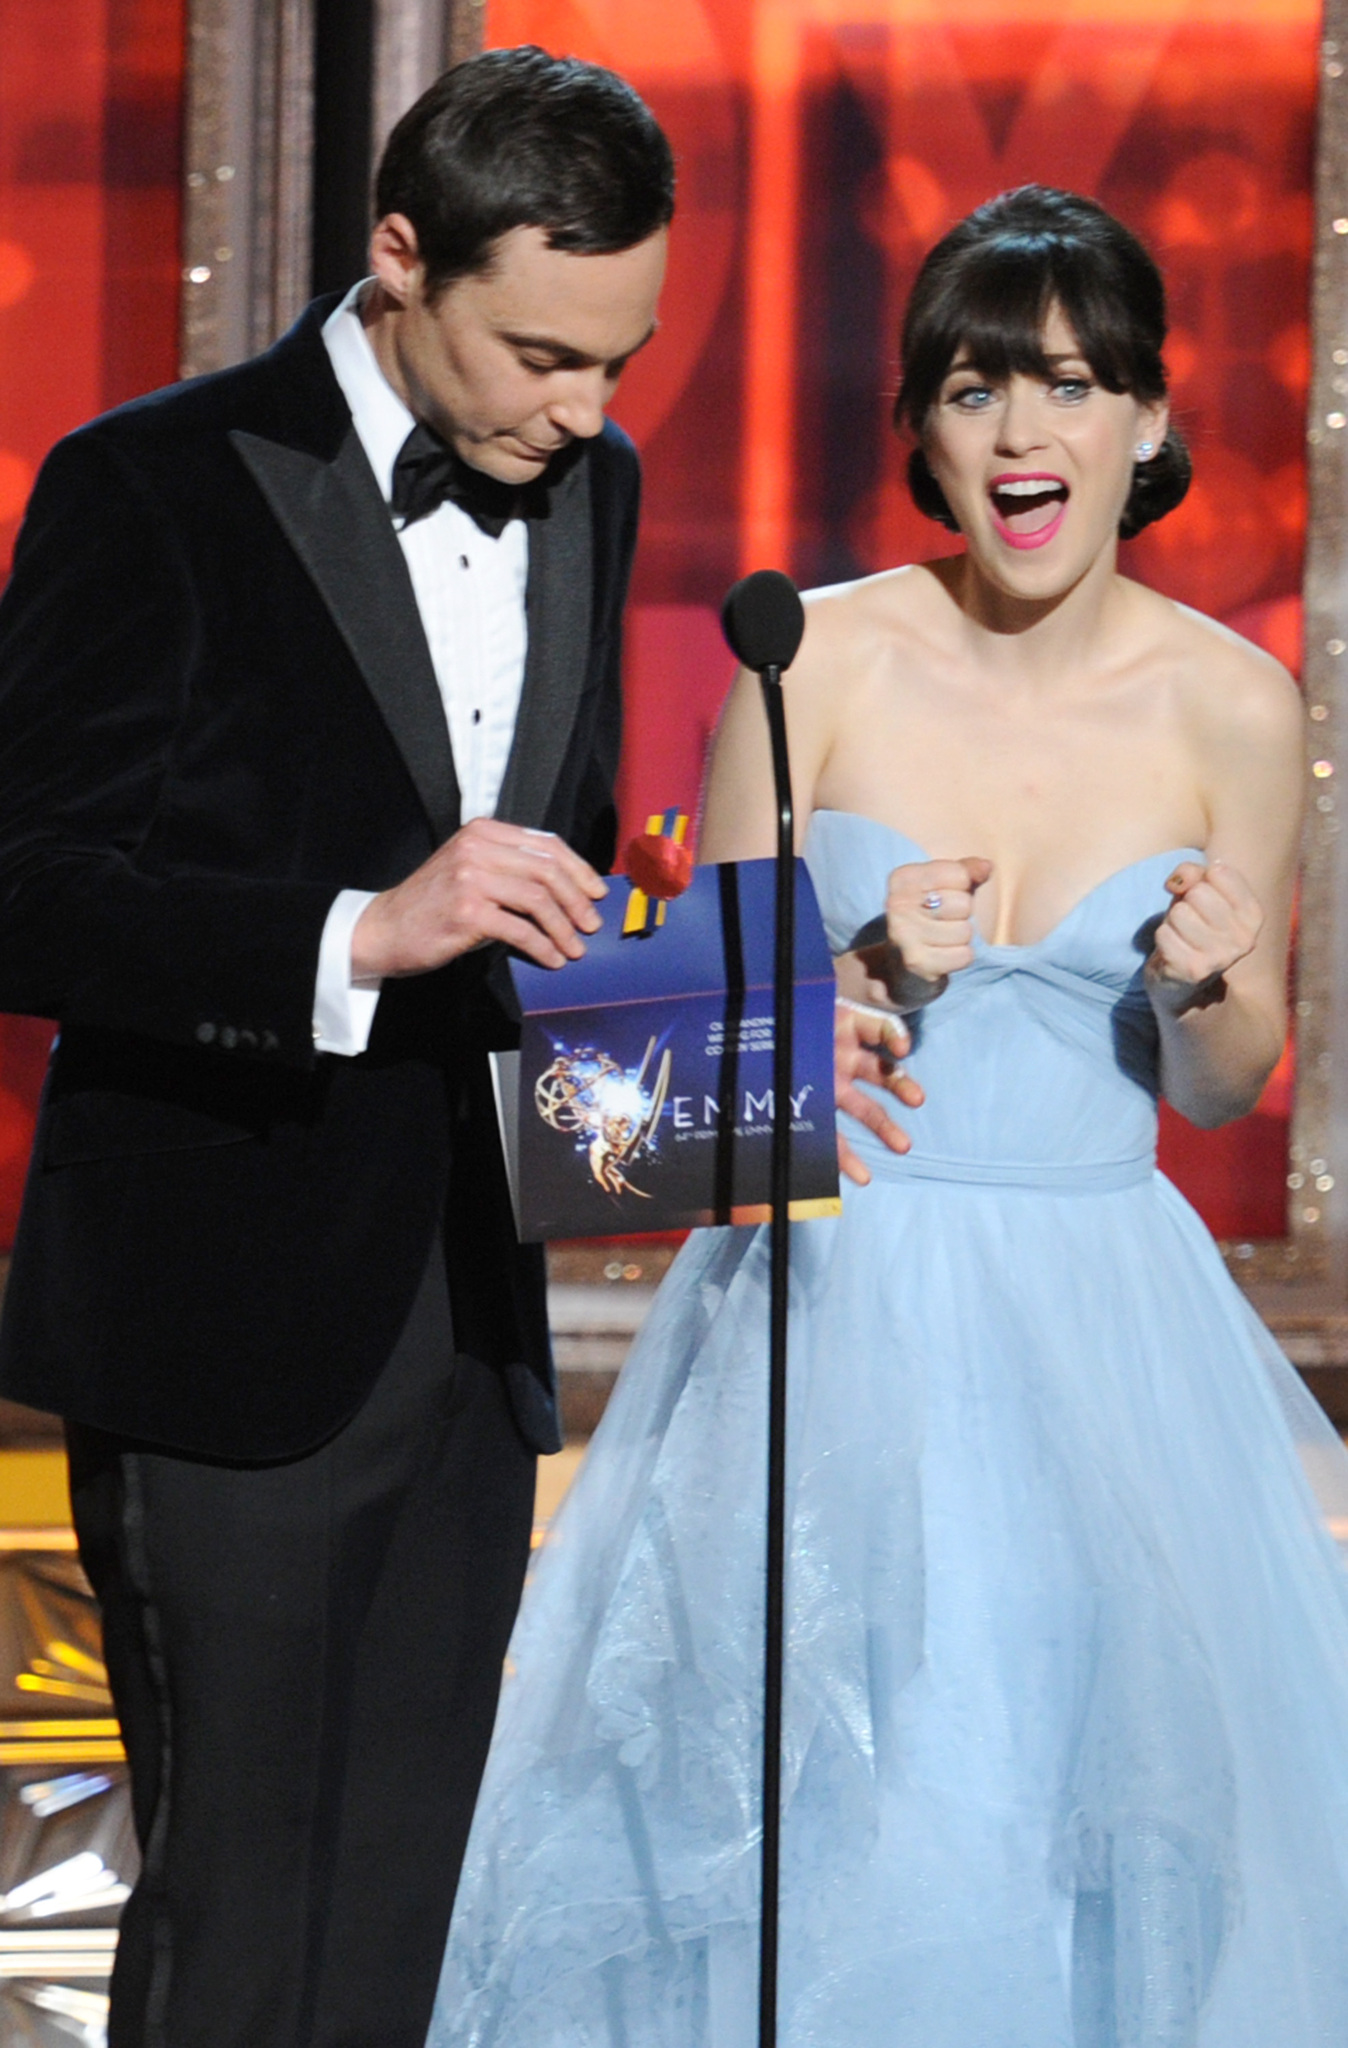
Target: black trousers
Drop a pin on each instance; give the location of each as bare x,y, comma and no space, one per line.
306,1657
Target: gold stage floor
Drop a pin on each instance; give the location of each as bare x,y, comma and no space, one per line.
33,1492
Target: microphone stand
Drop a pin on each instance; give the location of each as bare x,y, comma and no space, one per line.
783,1001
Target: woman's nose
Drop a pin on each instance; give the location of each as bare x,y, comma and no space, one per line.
1020,426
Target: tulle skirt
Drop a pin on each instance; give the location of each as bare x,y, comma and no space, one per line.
1066,1759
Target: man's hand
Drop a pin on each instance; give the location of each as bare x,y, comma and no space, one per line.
868,1046
1213,921
490,881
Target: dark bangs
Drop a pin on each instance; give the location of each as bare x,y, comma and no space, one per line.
988,287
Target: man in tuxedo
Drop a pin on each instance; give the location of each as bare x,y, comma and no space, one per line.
308,708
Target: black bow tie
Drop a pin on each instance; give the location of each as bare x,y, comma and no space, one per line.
428,471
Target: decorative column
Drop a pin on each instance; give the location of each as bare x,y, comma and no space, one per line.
248,155
248,135
1301,1284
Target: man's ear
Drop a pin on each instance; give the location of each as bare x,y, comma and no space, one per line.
395,257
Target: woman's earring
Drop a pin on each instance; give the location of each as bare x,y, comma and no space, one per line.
1144,450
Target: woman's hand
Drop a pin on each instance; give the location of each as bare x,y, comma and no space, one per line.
870,1045
929,930
1213,921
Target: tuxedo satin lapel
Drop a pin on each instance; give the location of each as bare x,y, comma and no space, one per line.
332,514
558,606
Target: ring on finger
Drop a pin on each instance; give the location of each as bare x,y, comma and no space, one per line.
932,902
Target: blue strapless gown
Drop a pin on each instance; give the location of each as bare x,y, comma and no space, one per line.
1067,1715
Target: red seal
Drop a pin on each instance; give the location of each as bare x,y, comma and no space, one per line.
658,866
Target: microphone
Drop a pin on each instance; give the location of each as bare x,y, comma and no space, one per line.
764,620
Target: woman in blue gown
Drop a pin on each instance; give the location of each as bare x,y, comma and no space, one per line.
1067,1713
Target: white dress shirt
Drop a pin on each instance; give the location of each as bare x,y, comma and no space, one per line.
470,592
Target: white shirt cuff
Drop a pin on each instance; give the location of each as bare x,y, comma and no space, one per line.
343,1009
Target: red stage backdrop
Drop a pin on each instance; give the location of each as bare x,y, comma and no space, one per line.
823,145
90,116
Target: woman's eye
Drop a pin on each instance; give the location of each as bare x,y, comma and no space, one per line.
971,397
1073,389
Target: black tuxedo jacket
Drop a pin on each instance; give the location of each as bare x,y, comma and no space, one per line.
217,708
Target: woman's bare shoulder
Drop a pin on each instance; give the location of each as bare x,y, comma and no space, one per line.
872,615
1229,687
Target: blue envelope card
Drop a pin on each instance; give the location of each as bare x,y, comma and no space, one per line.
641,1096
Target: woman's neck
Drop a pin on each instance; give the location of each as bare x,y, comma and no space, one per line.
1038,641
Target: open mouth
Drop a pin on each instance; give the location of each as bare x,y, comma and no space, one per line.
1028,510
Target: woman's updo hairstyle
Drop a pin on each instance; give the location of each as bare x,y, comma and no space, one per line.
988,287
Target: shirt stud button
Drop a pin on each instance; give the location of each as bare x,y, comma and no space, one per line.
205,1034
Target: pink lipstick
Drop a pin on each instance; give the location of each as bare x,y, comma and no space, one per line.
1027,510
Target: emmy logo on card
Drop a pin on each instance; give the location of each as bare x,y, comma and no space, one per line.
611,1112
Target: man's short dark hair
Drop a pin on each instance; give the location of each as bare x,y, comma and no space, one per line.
518,138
